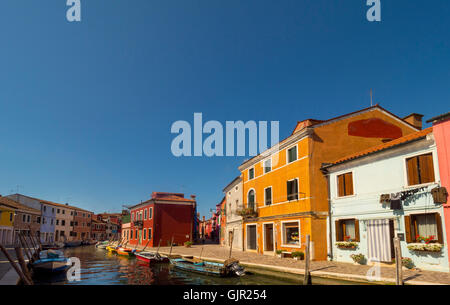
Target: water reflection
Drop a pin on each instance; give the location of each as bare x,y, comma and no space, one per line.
99,267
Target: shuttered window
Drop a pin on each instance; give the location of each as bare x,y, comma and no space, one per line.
251,174
345,184
420,169
251,199
423,225
347,230
292,190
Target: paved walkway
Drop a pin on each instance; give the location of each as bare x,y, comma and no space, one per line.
318,268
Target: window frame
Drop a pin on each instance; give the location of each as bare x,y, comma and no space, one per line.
265,167
254,198
298,190
339,233
287,153
247,237
253,170
271,196
283,234
411,232
415,155
338,196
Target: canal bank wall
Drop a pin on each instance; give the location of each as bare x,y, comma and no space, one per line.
320,270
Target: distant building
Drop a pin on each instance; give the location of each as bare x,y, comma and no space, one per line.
98,228
126,225
163,217
6,222
82,224
26,219
234,222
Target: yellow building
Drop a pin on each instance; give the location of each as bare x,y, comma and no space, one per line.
6,224
284,191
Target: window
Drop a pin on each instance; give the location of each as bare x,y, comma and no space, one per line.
291,233
145,233
420,169
57,222
292,154
53,210
45,208
345,184
63,222
58,211
419,226
131,234
267,166
251,200
292,190
145,214
28,218
38,220
251,174
23,218
64,211
132,216
251,237
11,216
150,213
149,233
268,196
347,230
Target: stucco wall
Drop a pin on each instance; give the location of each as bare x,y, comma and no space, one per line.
379,174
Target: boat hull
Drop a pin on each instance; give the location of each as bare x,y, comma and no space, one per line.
72,244
51,265
151,258
206,268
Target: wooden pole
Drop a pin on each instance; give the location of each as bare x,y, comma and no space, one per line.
146,245
25,246
201,252
159,245
398,262
231,245
24,279
307,279
22,263
171,244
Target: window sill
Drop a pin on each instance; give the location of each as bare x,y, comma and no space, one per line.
345,197
291,246
407,187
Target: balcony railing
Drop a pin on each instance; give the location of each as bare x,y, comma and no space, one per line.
248,212
138,223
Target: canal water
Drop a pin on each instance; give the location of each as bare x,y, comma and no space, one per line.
98,267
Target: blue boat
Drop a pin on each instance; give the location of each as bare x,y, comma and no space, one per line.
52,261
229,268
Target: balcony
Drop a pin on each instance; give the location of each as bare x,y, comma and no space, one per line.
249,212
139,223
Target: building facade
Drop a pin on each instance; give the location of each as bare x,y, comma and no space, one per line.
441,131
163,217
6,222
98,228
233,223
82,224
283,187
64,221
386,192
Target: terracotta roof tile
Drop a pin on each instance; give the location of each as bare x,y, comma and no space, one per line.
11,203
408,138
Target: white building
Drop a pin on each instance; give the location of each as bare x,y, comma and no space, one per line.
233,197
365,210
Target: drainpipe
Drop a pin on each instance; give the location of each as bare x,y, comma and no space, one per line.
330,235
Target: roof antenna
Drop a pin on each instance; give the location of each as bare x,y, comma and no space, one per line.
371,97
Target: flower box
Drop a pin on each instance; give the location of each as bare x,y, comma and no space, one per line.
432,247
347,244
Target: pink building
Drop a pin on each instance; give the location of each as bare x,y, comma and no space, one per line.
441,131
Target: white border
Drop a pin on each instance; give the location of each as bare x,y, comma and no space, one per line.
283,234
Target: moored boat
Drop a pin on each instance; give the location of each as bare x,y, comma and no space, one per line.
51,261
229,268
111,249
102,244
151,257
74,243
125,251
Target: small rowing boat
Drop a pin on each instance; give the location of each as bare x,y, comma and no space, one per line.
74,243
102,244
229,268
51,261
125,251
151,257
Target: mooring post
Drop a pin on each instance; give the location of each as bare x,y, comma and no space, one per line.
171,244
22,263
24,279
231,243
307,279
398,262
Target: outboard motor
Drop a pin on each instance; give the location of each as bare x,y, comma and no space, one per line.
237,269
233,266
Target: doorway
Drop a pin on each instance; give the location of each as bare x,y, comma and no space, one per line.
379,239
251,237
268,237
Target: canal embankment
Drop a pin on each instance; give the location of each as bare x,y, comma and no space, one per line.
319,269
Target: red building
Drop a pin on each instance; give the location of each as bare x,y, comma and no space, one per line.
98,228
164,216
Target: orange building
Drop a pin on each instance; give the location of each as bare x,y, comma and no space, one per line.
285,193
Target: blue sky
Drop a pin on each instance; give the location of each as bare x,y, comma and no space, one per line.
86,108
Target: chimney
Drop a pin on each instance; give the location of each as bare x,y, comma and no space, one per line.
193,197
414,119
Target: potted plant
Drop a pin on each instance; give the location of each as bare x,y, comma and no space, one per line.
298,255
279,253
407,263
429,247
359,259
188,244
347,244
